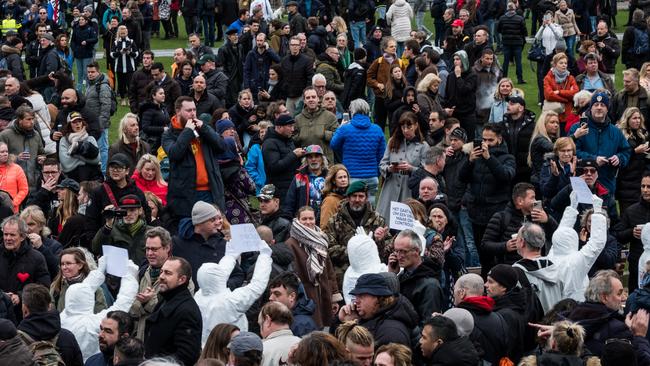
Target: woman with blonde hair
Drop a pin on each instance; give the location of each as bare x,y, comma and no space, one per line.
557,170
357,339
428,97
547,130
628,179
345,58
393,354
337,182
644,77
12,177
128,141
565,346
39,236
317,349
148,178
505,87
74,269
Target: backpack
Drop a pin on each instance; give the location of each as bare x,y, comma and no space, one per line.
113,96
640,42
44,352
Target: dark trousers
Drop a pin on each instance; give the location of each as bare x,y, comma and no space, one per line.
208,29
510,52
167,25
174,19
191,24
123,80
381,113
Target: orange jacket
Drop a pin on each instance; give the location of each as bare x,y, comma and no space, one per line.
566,92
14,181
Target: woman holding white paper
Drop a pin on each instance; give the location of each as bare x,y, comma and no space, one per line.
74,269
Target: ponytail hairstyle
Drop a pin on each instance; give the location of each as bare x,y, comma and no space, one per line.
568,337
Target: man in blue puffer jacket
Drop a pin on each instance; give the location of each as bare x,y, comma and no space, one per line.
362,144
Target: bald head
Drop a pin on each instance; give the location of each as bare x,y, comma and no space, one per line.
468,285
69,97
12,86
265,233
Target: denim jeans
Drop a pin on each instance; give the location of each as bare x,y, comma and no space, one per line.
102,144
358,30
592,21
510,52
492,25
570,46
419,22
400,49
82,79
208,29
466,233
373,186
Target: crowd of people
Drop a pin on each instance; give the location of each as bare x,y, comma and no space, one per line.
530,235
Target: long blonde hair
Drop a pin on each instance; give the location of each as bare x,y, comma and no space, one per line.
624,124
540,130
68,207
148,158
35,213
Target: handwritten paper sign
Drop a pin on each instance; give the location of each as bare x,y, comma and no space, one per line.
117,260
582,190
401,216
244,238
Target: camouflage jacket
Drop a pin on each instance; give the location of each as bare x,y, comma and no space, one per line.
341,228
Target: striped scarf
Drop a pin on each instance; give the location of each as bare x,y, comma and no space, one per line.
314,242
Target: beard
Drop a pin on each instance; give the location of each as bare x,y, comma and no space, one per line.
358,208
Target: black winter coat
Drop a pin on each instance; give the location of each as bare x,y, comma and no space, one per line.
423,290
207,103
94,128
138,88
297,72
500,229
239,117
280,162
459,352
461,93
628,180
47,325
489,184
22,267
512,28
517,135
217,84
456,188
279,225
182,177
198,251
50,62
539,147
394,324
231,57
99,200
490,329
619,103
600,323
153,119
628,57
512,308
172,92
354,85
14,62
174,328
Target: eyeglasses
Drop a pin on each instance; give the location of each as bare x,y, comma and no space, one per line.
152,249
590,171
116,168
403,251
618,340
319,86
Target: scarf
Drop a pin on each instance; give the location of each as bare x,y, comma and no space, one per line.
154,273
390,58
133,228
75,138
314,242
560,76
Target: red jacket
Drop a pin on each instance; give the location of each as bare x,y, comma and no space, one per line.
150,186
567,90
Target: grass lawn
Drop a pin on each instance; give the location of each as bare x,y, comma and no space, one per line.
530,88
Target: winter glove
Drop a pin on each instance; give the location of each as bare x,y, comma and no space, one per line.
574,200
598,204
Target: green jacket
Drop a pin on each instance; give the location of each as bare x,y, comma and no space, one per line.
316,128
334,81
119,236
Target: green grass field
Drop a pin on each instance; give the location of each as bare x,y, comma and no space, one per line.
530,88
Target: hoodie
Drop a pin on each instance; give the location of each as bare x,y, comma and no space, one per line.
545,276
490,329
460,92
46,326
220,305
78,315
393,324
303,311
364,258
573,264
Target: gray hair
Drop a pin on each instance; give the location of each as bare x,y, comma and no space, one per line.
317,77
582,94
472,283
16,220
412,236
359,106
160,232
600,284
433,155
533,235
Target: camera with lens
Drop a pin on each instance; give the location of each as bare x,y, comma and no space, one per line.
114,212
